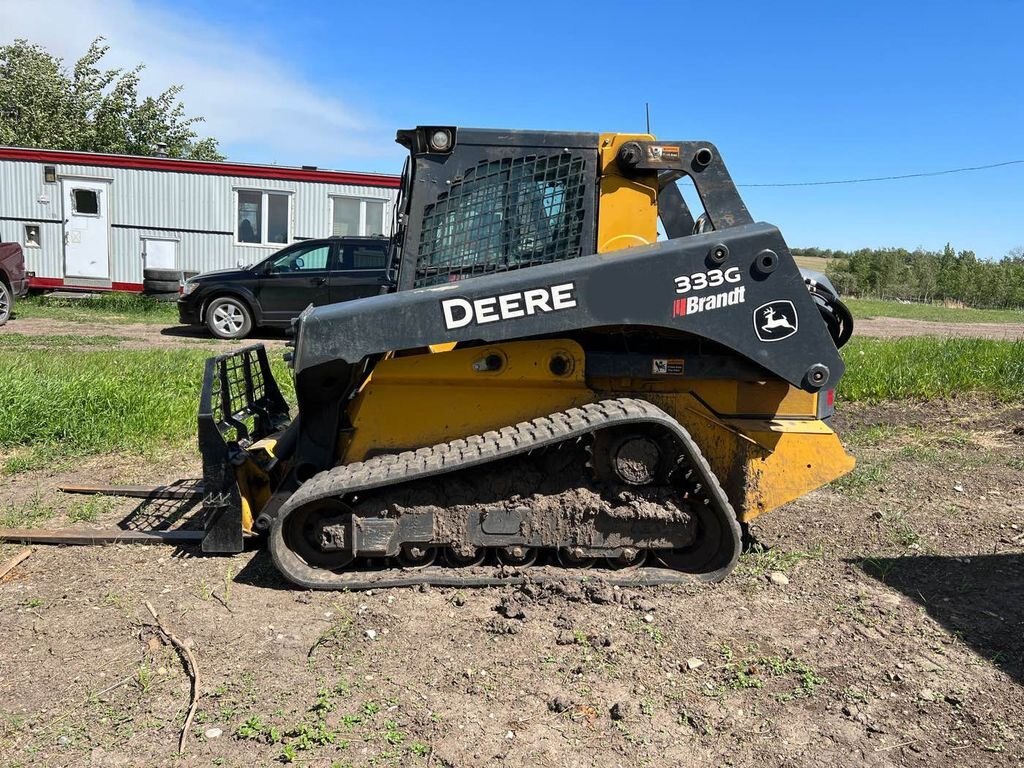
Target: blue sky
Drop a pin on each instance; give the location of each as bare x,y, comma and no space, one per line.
789,92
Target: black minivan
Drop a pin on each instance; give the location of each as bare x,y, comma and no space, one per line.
276,290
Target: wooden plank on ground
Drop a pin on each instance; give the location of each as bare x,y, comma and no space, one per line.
87,536
14,562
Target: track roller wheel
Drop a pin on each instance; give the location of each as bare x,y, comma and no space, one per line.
416,555
517,555
464,559
630,557
573,557
716,546
303,533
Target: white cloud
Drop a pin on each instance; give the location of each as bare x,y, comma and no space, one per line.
258,109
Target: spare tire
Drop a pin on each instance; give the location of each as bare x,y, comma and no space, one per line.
160,286
162,275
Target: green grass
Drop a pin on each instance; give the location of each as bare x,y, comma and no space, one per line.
36,510
132,401
864,308
759,560
110,307
26,514
924,368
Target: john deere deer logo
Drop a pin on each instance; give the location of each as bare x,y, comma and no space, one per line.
775,321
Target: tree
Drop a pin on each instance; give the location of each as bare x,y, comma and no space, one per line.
90,109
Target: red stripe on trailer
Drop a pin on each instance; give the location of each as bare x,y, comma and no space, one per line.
207,167
56,282
137,287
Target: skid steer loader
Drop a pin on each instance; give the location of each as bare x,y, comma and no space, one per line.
550,385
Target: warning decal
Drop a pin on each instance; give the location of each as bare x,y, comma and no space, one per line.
667,366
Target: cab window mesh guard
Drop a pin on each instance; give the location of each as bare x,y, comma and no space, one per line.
504,214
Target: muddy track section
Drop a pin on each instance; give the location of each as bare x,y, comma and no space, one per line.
481,450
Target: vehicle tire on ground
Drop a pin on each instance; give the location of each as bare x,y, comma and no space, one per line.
228,317
6,302
165,275
164,296
160,286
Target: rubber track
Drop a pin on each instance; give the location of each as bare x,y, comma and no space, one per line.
476,450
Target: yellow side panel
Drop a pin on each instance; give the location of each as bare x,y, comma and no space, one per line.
628,210
757,398
410,402
772,398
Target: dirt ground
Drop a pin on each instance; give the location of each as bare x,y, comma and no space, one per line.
139,335
150,335
881,626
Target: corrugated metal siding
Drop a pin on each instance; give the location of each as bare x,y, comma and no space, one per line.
21,188
162,204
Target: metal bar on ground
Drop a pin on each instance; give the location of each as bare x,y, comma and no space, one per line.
86,536
137,491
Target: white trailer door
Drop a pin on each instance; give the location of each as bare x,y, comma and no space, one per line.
86,228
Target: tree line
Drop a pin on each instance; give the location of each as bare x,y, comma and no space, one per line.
926,276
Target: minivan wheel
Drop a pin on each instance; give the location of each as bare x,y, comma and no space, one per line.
228,318
6,302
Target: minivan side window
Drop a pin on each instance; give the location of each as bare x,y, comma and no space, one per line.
365,257
302,260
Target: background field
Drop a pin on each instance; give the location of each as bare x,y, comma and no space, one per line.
868,308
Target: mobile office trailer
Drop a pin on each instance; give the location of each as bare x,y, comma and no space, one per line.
97,222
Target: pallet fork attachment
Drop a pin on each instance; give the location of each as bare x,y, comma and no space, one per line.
240,404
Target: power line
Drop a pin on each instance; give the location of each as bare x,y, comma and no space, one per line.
886,178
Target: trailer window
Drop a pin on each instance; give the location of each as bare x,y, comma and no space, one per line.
357,216
263,217
85,202
346,216
374,217
277,218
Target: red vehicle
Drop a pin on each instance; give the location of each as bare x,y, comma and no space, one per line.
13,280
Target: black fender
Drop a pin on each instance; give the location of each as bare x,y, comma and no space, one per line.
675,285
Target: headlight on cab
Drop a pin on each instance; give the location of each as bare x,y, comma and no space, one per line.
188,287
